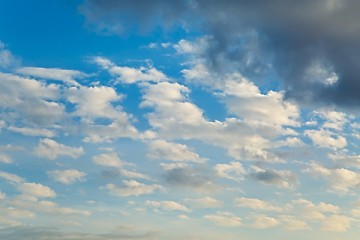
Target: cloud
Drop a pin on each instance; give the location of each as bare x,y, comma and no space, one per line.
206,202
50,149
112,17
292,223
310,210
279,178
5,158
224,219
34,132
234,170
345,160
326,138
36,190
265,222
7,59
167,205
102,117
132,188
256,204
340,180
108,159
64,75
244,99
13,178
130,75
306,42
193,177
336,223
112,160
67,176
31,100
161,149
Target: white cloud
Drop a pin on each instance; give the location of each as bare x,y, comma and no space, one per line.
206,202
161,149
244,99
36,190
292,223
256,204
50,149
333,119
48,207
265,222
7,59
67,76
175,117
132,188
5,158
34,132
310,210
224,219
67,176
326,138
167,205
110,159
345,160
336,223
340,180
234,170
131,75
11,177
101,103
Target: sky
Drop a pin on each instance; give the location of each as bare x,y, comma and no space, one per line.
179,120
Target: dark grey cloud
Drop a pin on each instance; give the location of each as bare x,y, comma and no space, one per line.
281,179
306,41
199,178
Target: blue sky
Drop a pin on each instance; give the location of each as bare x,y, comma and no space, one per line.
179,120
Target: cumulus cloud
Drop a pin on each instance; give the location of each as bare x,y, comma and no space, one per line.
34,132
167,205
33,101
187,176
12,178
336,223
36,190
224,219
132,188
256,204
264,222
340,180
64,75
310,210
279,178
97,103
50,149
67,176
110,159
7,59
130,75
234,170
326,138
205,202
161,149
